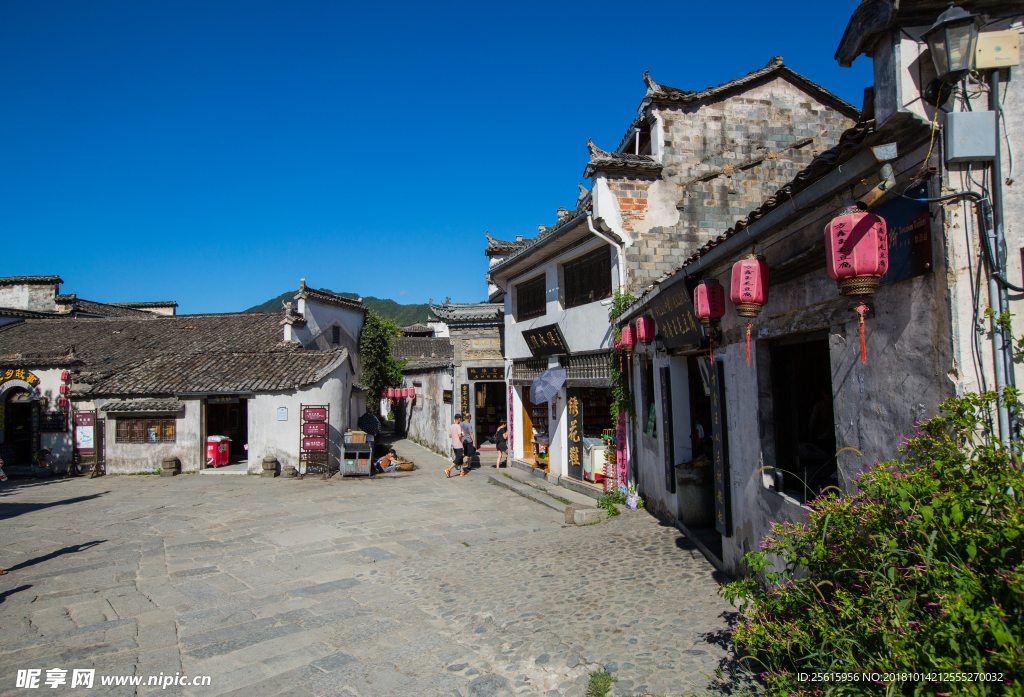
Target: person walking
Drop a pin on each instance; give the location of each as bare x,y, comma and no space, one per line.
455,434
501,443
468,438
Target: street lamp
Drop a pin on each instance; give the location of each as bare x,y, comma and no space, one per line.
952,40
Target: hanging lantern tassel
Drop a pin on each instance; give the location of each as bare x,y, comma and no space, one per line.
748,342
711,342
861,311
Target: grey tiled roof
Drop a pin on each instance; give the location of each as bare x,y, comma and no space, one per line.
155,303
326,296
663,94
415,347
620,163
105,310
419,364
163,406
161,355
31,280
26,314
416,328
469,313
496,246
583,209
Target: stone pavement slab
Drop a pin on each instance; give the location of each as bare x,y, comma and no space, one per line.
419,585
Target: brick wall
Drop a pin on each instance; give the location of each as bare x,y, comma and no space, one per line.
721,160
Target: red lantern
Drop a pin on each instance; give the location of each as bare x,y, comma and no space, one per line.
65,376
64,389
709,301
62,403
628,338
645,329
857,252
749,289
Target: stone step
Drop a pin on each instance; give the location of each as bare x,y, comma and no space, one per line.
543,485
527,492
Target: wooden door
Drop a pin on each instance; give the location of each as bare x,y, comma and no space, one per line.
527,427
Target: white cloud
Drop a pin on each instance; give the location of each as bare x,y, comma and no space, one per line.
404,292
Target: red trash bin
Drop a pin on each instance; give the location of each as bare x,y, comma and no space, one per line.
218,449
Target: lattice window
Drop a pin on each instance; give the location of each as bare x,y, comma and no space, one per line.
588,278
335,335
531,299
145,431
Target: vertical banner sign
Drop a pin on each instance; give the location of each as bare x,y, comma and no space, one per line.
621,465
666,429
511,426
34,426
574,409
85,435
720,443
464,399
313,437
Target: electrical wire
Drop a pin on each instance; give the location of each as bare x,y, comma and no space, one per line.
931,141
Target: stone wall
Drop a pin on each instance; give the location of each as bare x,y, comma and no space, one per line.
721,160
425,418
24,296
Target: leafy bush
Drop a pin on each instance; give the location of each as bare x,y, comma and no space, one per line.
376,349
608,501
918,572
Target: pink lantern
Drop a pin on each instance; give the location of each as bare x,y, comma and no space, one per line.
391,393
65,375
407,392
857,252
628,338
709,302
749,289
645,329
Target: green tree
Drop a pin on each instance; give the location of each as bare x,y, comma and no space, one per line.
918,573
376,350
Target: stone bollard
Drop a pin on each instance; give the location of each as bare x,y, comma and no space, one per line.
269,467
288,472
170,466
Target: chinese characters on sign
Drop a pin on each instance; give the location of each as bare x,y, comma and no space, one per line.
485,373
464,399
313,436
85,422
673,311
446,396
18,374
720,448
545,341
574,395
909,231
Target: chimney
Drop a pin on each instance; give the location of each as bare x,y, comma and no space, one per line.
562,212
519,238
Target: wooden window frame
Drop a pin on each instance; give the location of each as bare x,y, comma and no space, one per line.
527,294
588,278
137,430
335,335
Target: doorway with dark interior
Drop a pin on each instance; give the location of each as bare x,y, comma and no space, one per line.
805,434
17,441
229,416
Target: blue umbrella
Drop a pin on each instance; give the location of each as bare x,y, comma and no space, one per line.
546,385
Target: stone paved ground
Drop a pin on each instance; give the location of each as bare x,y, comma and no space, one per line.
414,585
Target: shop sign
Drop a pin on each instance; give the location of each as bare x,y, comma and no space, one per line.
666,429
720,448
486,344
21,374
574,409
909,228
673,311
54,422
446,396
314,443
545,341
222,399
85,424
314,413
464,399
485,374
511,422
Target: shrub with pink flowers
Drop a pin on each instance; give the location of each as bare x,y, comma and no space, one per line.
919,572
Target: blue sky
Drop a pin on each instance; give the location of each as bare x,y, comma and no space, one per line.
215,152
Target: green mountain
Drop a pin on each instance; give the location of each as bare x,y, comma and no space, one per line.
402,314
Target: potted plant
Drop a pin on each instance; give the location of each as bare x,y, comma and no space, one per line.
42,470
633,500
